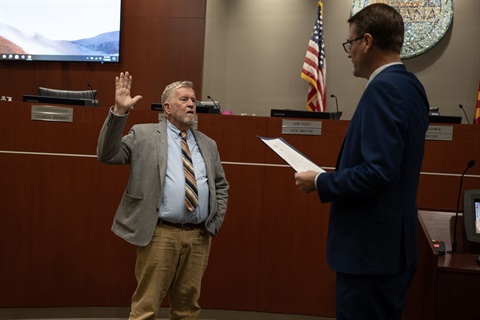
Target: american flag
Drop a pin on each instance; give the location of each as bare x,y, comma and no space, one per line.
477,107
313,69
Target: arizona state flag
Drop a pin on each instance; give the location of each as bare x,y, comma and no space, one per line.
477,108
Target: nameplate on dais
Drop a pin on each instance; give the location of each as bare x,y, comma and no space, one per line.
302,127
52,113
440,133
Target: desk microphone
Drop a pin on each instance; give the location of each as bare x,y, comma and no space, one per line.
215,104
94,94
461,107
470,164
337,114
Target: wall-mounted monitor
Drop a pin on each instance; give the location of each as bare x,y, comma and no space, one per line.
67,30
471,215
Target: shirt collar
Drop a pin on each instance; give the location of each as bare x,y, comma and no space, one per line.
174,130
376,72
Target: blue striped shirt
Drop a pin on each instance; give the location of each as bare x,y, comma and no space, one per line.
172,207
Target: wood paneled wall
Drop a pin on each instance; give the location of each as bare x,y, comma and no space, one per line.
161,41
57,205
58,202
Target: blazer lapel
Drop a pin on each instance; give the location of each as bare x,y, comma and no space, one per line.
161,145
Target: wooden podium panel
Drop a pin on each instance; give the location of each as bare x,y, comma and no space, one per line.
445,286
458,280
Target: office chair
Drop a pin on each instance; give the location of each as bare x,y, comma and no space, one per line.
72,94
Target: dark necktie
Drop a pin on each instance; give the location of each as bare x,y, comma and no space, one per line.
191,191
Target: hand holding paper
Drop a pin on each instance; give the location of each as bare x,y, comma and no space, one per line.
306,181
306,169
294,158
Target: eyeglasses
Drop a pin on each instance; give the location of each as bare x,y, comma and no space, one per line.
347,45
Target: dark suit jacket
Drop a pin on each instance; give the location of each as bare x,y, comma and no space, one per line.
373,215
145,149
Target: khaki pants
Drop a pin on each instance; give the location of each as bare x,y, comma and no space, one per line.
173,262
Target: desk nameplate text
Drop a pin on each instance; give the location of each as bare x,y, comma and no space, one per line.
52,113
312,128
439,133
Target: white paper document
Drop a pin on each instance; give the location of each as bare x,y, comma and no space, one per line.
293,157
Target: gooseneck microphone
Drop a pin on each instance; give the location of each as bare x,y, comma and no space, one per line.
470,164
94,94
215,104
466,117
337,114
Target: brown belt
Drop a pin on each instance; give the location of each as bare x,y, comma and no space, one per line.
183,226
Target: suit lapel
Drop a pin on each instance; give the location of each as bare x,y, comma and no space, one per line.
205,151
161,145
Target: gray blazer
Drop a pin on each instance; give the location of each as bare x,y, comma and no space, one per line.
145,149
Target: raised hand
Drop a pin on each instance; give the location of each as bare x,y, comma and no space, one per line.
123,101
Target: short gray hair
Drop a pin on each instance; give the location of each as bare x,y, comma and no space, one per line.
167,93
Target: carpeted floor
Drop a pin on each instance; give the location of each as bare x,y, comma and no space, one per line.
122,314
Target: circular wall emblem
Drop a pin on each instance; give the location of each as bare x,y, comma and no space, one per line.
426,22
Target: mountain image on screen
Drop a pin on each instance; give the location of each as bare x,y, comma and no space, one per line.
14,41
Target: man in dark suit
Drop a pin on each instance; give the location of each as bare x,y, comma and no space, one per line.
169,214
372,238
